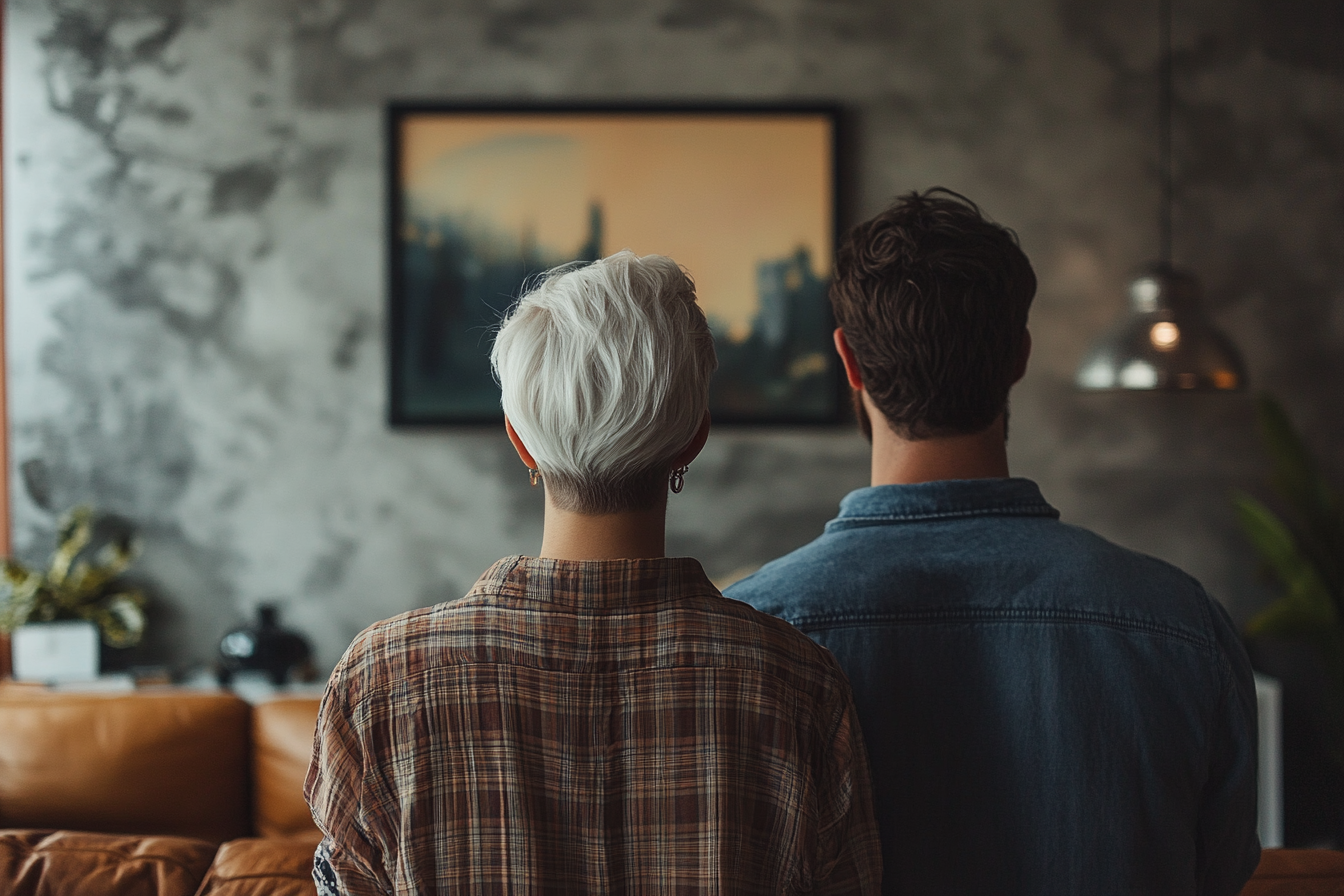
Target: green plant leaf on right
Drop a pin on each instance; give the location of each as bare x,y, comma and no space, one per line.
1303,549
1305,609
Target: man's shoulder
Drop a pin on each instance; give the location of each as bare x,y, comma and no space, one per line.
776,585
1004,561
1096,555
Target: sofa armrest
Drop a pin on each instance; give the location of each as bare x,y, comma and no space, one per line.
173,763
61,863
1297,872
282,745
275,866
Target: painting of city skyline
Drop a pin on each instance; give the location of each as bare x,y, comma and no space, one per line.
484,199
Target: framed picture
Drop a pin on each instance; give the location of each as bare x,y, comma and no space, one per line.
482,198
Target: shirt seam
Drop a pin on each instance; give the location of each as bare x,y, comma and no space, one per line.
999,510
361,814
1227,684
840,709
576,603
800,689
813,622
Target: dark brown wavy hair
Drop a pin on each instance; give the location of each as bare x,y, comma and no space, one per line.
933,299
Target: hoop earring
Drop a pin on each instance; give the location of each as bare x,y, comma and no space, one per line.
678,479
534,476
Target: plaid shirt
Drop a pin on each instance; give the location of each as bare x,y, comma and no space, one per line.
590,727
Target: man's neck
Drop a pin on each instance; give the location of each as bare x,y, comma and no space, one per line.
630,535
898,461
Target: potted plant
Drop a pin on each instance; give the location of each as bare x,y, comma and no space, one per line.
1302,547
57,616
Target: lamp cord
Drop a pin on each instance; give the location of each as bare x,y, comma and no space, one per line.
1164,131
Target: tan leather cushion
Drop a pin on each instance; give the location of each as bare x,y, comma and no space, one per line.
272,867
42,863
282,744
1297,872
172,763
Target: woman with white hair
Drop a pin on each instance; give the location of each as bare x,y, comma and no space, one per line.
596,719
604,373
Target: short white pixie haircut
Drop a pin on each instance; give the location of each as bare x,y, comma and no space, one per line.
604,372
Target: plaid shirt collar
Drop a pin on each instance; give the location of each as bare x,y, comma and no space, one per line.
593,584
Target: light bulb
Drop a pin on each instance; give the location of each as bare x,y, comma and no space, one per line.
1164,336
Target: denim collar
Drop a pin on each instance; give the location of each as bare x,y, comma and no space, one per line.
944,499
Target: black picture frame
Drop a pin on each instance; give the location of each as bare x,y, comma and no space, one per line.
731,179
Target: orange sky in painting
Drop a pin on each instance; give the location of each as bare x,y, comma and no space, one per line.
718,194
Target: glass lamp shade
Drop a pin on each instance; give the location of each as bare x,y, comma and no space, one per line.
1165,343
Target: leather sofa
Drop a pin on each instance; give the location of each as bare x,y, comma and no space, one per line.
176,793
154,793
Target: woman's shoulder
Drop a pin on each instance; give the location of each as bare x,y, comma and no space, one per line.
769,641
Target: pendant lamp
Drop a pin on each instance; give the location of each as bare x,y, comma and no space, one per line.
1167,340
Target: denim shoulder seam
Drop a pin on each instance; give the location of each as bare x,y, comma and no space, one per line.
815,622
1001,510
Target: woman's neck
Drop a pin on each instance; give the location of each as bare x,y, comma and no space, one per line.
631,535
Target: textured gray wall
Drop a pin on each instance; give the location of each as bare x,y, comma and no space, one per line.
194,223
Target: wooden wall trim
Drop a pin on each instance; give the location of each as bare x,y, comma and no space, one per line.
4,406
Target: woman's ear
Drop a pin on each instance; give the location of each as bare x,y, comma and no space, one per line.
523,453
693,447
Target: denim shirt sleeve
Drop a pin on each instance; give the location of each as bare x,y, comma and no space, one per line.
1229,843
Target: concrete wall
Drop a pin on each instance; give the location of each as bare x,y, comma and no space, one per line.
194,200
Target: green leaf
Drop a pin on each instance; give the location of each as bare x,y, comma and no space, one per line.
19,589
1277,547
18,580
1294,618
121,619
75,586
46,608
117,556
15,574
1290,617
1294,471
1298,480
76,530
88,581
15,612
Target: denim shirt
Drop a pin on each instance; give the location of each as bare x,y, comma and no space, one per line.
1045,711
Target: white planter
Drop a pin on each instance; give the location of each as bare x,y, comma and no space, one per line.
55,651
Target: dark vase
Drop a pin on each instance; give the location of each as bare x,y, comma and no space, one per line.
264,647
114,659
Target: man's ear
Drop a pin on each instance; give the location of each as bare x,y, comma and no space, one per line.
692,449
847,358
518,445
1024,354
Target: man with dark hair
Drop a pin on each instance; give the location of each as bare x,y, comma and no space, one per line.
1045,712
